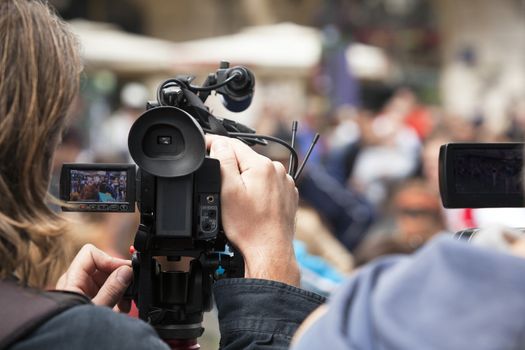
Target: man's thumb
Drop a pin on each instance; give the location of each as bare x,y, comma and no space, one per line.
222,150
113,289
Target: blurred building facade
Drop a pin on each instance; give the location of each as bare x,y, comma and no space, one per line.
483,57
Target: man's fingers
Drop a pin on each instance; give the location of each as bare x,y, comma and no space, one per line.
209,138
279,168
246,158
123,306
61,283
222,150
99,278
90,259
113,289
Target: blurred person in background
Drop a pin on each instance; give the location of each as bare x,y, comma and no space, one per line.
371,149
417,218
415,115
323,259
417,212
66,152
382,149
380,246
461,129
515,131
389,147
347,213
320,241
112,135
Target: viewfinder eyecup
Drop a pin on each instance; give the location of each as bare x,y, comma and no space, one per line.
167,142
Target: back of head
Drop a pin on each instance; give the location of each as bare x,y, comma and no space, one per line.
39,77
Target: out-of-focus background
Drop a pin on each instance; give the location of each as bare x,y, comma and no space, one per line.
385,82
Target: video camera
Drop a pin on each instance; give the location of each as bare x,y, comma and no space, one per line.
481,175
180,247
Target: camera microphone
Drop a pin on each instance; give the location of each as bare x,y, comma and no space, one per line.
237,94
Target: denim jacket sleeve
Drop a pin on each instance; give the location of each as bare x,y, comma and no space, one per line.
261,314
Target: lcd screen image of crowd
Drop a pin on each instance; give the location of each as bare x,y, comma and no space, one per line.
98,186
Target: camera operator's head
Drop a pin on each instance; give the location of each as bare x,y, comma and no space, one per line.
39,78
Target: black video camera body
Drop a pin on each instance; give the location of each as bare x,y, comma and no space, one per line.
180,248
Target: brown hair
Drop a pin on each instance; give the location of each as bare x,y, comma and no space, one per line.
39,78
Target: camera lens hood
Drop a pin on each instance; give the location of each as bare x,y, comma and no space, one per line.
167,142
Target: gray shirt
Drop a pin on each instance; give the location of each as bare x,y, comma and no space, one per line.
92,327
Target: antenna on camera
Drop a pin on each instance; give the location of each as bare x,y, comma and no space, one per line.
295,123
310,149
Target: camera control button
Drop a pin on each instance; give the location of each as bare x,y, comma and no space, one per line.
124,207
102,207
113,207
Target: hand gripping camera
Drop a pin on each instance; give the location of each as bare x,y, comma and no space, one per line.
180,247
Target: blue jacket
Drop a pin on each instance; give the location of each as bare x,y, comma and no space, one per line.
450,295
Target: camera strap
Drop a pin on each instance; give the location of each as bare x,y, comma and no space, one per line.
24,309
199,109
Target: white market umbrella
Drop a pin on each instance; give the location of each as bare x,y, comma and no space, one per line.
108,47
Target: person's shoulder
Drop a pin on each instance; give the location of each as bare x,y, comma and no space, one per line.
92,327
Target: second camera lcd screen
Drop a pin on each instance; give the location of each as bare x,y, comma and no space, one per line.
495,171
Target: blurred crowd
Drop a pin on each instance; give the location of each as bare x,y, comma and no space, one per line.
386,174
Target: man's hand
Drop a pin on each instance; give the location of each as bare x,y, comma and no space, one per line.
258,204
99,276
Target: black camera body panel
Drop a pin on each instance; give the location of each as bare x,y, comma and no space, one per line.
189,206
80,195
481,175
